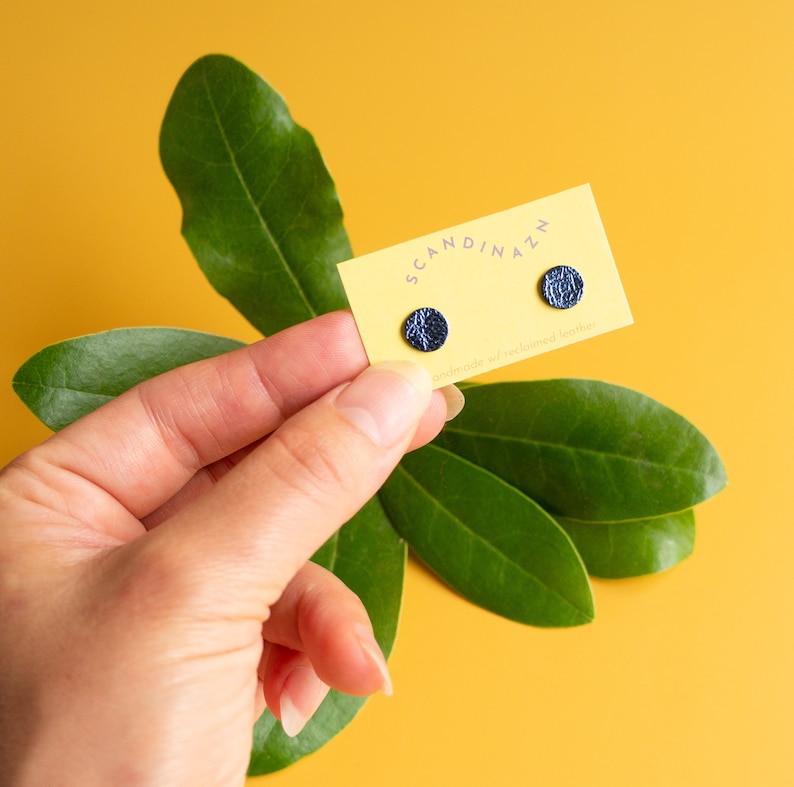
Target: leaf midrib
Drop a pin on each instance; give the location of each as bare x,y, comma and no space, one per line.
249,196
335,552
581,450
81,391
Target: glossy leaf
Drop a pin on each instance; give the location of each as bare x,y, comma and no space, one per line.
260,211
369,557
632,548
69,379
587,450
488,541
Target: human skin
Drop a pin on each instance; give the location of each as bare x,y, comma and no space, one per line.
155,589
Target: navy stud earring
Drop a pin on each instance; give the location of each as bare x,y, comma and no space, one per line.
426,329
562,287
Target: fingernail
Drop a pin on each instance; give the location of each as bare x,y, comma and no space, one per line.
302,694
455,400
369,645
386,400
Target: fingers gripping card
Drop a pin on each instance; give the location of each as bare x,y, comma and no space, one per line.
490,292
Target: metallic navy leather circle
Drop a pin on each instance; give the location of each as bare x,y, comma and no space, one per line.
426,329
562,287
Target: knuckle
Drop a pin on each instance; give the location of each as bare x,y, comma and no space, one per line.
310,463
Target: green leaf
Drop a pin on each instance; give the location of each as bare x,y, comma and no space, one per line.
632,548
488,541
260,211
369,557
587,450
69,379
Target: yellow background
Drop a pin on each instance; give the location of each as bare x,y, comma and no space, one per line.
681,116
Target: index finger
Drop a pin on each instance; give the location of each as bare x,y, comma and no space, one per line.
143,446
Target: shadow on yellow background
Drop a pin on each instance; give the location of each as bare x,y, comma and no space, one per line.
681,116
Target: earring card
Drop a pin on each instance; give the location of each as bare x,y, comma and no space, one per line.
486,277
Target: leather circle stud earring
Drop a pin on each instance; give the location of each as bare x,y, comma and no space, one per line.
562,287
426,329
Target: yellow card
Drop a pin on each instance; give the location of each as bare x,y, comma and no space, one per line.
490,292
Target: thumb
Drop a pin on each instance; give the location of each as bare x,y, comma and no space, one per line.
250,534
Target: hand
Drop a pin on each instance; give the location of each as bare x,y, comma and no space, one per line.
155,589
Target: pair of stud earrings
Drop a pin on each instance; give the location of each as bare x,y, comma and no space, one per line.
427,329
